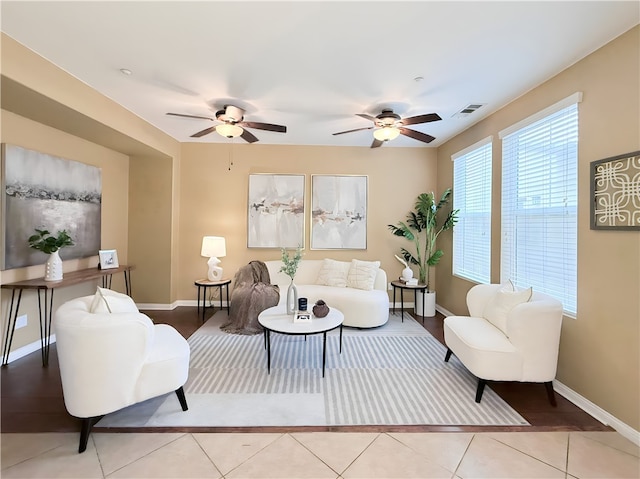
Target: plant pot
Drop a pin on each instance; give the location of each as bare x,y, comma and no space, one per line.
429,303
53,267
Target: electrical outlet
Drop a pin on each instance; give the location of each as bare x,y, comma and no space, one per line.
21,321
389,287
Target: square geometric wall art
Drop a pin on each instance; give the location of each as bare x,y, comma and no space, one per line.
615,192
338,212
276,211
46,192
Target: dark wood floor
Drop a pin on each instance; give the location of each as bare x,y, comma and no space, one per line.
31,396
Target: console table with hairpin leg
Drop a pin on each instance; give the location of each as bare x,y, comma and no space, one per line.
45,290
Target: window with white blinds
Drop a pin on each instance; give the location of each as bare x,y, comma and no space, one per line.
539,202
472,196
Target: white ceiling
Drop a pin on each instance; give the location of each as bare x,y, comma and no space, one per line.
313,65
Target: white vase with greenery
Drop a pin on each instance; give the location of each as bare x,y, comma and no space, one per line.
51,245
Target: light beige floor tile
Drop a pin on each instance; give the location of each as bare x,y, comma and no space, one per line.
445,449
387,458
549,447
490,459
16,448
612,439
117,450
182,458
228,451
284,458
592,459
63,461
337,450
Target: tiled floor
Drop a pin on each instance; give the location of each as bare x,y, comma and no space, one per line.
568,455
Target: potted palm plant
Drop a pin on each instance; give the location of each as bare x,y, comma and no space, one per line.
422,227
49,244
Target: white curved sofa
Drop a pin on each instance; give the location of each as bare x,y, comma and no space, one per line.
362,308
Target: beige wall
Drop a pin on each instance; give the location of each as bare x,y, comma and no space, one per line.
214,198
46,109
20,131
150,228
600,349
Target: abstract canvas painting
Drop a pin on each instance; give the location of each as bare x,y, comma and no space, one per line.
338,212
46,192
276,211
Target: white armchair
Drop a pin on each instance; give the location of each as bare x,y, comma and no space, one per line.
508,336
112,356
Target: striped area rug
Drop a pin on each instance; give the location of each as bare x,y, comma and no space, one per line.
392,375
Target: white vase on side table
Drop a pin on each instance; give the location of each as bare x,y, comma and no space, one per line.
53,267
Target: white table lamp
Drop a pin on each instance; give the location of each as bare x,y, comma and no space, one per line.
213,247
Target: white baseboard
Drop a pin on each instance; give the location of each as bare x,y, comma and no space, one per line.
27,349
597,412
444,311
175,304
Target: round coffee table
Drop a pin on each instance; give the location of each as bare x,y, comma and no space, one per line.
275,319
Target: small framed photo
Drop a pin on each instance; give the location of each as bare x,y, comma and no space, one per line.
302,317
108,259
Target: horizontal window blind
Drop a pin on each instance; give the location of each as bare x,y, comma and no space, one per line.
472,196
539,206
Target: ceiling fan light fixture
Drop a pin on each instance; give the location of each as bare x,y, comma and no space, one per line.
386,133
229,131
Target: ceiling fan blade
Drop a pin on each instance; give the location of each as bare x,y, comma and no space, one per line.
416,135
351,131
263,126
206,131
191,116
248,136
376,143
366,117
414,120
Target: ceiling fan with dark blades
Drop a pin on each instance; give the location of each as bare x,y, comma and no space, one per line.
388,125
233,124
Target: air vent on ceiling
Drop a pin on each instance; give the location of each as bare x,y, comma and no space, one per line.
467,110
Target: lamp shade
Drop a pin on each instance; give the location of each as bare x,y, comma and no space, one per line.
386,133
229,130
213,246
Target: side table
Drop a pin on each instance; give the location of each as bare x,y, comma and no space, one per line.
203,284
402,286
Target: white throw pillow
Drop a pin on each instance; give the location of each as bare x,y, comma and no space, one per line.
108,301
362,274
497,309
333,273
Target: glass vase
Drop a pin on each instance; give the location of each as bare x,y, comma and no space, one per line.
292,298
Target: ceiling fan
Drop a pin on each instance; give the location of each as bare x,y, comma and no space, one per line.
232,119
389,125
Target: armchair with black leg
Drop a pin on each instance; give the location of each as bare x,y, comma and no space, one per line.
112,356
509,335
